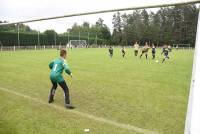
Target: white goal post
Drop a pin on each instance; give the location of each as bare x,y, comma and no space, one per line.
77,43
193,111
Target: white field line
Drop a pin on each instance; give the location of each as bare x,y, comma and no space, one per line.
99,119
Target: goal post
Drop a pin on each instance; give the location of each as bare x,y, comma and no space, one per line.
77,43
193,110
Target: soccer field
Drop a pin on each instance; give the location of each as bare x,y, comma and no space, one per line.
119,96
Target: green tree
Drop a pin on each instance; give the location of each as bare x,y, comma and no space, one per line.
51,36
117,31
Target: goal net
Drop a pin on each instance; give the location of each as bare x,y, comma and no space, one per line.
181,46
77,43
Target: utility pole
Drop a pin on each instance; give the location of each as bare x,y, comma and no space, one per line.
18,41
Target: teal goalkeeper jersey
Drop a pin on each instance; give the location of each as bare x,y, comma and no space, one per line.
57,67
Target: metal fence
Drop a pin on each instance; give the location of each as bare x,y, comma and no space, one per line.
41,47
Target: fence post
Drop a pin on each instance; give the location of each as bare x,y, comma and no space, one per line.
44,47
14,48
189,47
1,48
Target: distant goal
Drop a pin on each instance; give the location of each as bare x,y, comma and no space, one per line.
77,43
182,46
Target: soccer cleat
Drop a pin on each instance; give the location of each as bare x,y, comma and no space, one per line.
69,106
51,100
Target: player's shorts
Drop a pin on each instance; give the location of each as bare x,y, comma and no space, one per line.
153,52
144,52
56,78
166,55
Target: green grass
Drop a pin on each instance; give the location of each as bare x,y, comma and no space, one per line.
132,91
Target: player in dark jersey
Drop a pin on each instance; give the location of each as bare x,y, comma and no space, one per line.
123,52
165,52
153,51
57,67
145,50
110,51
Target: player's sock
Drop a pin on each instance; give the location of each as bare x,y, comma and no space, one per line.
163,60
51,96
52,92
146,56
68,104
66,95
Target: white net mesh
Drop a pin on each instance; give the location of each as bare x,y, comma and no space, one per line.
77,43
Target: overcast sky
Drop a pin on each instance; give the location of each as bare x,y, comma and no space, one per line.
17,10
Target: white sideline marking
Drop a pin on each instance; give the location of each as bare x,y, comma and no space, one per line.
99,119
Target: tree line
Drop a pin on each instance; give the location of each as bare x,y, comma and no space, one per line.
170,25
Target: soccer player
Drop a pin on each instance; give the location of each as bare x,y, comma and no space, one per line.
110,51
136,48
166,52
57,67
145,50
169,48
123,52
153,51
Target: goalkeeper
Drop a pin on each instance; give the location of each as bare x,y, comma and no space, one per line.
57,67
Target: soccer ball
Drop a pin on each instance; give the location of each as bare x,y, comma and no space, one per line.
156,61
87,130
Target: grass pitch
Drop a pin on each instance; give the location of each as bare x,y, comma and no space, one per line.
132,91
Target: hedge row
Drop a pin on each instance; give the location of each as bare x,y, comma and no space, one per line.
28,39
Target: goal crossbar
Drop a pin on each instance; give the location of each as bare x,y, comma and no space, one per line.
175,3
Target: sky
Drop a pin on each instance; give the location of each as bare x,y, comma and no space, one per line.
18,10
